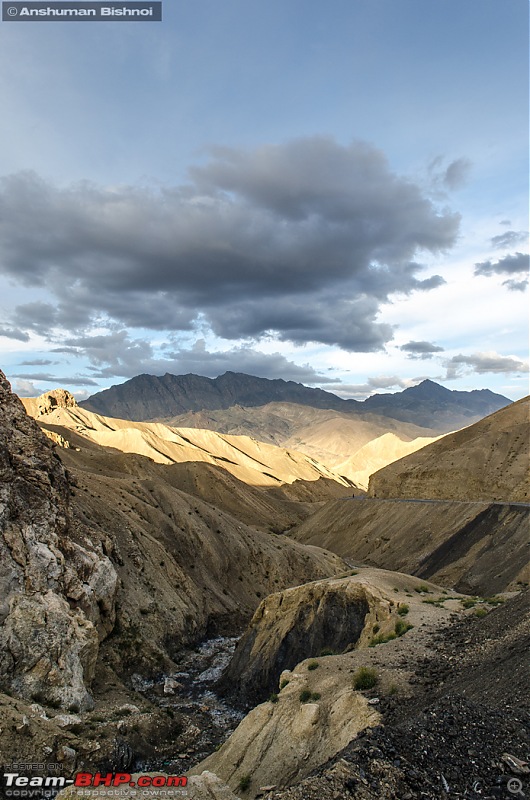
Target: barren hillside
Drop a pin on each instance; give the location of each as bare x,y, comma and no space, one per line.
486,461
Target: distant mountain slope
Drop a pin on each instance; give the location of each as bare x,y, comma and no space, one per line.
486,461
148,397
250,461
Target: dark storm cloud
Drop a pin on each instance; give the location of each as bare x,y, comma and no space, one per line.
279,240
516,264
508,239
482,363
14,333
116,354
421,350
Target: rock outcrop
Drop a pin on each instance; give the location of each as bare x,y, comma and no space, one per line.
292,625
57,589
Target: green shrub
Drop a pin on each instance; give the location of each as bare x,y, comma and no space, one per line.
315,696
480,612
376,628
393,689
326,651
382,638
403,610
273,698
284,683
469,602
304,696
313,665
365,678
401,627
244,783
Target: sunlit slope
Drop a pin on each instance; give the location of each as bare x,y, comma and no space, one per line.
249,460
486,461
377,454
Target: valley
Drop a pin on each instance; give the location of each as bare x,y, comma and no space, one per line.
204,601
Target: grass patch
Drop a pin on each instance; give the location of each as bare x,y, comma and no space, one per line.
403,610
244,783
422,589
402,627
326,651
393,689
494,601
469,602
273,698
284,683
313,665
480,612
382,638
365,678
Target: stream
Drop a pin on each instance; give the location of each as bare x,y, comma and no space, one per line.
188,691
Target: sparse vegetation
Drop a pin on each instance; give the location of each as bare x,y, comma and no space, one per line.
244,783
326,651
304,696
402,627
284,683
480,612
393,689
403,610
382,638
376,628
469,602
313,665
273,698
365,678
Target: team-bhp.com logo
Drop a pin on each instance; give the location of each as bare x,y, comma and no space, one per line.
17,785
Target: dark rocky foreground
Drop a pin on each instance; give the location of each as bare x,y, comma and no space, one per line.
464,733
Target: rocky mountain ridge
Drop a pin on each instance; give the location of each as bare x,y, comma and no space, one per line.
147,397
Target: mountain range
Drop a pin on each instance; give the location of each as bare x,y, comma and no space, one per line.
148,397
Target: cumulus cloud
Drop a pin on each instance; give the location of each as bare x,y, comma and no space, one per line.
481,363
303,240
116,353
26,388
421,350
508,239
516,264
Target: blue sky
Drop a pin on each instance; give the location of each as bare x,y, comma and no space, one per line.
336,195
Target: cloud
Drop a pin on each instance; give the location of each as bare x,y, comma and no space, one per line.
303,241
509,239
457,173
450,177
37,362
26,388
481,363
516,264
55,379
14,333
421,350
360,391
116,354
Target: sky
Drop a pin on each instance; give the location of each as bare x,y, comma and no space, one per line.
335,194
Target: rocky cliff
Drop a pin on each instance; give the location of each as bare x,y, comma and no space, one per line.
57,587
